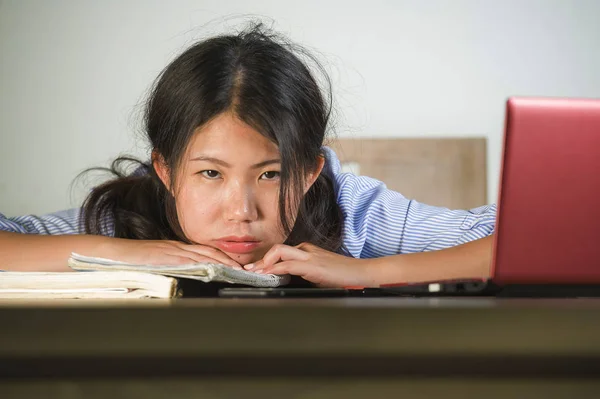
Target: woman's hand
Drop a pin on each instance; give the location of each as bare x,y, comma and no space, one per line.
160,252
317,265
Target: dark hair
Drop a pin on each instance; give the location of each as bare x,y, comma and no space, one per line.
257,76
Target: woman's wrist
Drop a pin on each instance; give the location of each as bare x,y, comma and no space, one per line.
466,261
103,247
385,270
379,271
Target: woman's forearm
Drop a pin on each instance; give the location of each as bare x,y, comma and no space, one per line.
43,253
467,261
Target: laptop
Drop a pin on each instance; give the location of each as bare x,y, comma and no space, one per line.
548,223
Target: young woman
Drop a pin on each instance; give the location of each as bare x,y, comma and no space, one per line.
239,175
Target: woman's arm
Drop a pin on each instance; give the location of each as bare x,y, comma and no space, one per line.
44,243
45,253
466,261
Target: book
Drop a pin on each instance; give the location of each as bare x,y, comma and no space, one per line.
205,272
96,285
98,278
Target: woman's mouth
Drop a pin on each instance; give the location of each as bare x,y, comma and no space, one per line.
237,245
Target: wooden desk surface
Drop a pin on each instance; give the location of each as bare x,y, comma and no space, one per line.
549,347
274,327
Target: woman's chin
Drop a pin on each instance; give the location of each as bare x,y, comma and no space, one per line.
244,259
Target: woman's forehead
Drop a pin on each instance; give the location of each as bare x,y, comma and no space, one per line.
228,136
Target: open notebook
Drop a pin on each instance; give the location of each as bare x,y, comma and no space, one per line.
113,279
205,272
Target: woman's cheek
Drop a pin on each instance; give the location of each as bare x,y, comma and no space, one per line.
196,210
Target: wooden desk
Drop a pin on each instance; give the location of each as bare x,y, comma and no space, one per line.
301,348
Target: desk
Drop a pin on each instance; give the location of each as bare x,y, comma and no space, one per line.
301,348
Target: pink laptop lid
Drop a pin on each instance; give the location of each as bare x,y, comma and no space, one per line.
548,227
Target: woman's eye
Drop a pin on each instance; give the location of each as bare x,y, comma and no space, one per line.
272,175
210,174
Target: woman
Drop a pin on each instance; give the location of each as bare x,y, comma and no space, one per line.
239,175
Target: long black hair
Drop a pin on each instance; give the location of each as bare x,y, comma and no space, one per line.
262,80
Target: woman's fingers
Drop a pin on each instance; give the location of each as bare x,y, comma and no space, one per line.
203,252
182,260
171,259
185,257
193,257
280,253
306,270
287,267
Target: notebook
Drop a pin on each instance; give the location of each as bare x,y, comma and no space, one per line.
205,272
98,278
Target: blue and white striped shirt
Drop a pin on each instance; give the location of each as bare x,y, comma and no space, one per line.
377,221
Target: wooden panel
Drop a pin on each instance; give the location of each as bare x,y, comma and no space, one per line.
445,172
347,348
303,388
301,348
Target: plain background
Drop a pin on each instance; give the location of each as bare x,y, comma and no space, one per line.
74,73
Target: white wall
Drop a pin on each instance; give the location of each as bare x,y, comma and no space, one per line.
72,72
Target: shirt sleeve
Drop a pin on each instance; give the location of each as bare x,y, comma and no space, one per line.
381,222
63,222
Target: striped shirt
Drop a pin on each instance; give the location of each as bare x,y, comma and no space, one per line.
377,221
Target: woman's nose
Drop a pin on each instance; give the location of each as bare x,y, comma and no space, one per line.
240,204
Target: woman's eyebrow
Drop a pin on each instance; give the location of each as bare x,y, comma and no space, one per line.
227,165
265,163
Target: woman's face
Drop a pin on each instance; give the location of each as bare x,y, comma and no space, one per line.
227,190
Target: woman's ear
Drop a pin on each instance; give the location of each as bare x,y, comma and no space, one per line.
312,176
161,168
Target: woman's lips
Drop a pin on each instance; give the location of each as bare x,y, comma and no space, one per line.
237,246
